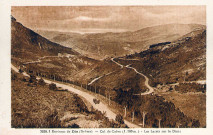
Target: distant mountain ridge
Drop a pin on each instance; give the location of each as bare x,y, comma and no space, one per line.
103,45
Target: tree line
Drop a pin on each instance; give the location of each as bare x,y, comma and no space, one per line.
153,110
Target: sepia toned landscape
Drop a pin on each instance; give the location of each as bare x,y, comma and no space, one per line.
108,67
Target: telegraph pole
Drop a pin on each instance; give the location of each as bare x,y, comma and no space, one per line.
133,115
125,111
86,85
109,98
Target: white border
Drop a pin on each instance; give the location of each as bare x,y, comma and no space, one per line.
5,11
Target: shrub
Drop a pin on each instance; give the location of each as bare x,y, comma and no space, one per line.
119,119
99,115
20,70
96,101
32,79
41,82
195,124
74,126
13,76
123,126
52,86
53,120
24,79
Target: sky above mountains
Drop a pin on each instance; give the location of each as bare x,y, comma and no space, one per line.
99,19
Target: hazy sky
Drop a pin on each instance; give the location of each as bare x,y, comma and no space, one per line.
106,18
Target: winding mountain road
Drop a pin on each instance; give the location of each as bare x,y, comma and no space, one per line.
97,78
151,89
198,81
94,80
39,60
112,59
101,107
130,59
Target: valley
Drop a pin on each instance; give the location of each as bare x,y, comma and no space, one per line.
129,79
104,45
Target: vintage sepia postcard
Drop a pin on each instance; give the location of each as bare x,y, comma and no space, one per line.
107,69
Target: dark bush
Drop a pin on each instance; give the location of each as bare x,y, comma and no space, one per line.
96,101
41,82
99,115
195,124
13,76
24,79
74,126
32,79
20,70
53,120
119,119
52,86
